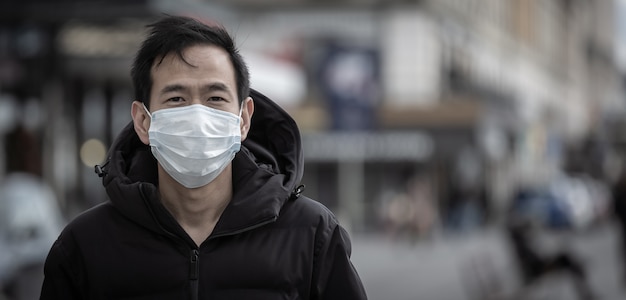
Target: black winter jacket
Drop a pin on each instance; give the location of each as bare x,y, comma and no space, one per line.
270,242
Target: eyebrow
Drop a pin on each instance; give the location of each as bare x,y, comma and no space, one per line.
172,88
215,87
212,87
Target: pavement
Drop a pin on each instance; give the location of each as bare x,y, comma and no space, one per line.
480,266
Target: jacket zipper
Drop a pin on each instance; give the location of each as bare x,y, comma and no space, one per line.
194,273
194,259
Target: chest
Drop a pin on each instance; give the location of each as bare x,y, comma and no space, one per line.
273,262
276,258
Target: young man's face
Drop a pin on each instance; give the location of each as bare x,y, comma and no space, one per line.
207,77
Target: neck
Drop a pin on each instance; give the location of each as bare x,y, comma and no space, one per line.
196,210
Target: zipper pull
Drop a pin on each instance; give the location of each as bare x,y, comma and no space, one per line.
194,269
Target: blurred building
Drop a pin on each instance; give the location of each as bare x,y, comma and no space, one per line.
479,95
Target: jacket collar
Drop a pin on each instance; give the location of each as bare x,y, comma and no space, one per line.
265,172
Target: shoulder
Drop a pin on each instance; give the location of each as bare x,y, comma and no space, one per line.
65,265
92,216
84,233
305,211
86,225
317,220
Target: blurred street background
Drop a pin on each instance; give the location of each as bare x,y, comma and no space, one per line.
474,149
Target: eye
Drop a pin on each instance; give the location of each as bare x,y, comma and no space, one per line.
176,99
216,99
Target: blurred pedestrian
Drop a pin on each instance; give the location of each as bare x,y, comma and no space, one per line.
204,198
411,212
466,199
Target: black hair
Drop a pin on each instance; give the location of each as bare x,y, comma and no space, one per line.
174,34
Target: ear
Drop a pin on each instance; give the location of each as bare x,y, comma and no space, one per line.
141,121
246,116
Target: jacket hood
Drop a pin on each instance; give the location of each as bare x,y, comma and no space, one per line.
265,173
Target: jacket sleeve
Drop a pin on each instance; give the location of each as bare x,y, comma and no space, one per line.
62,275
335,276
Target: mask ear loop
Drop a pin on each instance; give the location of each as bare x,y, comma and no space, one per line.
146,109
240,111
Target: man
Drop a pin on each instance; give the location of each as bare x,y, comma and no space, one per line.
217,214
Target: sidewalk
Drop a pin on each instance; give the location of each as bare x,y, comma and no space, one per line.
470,267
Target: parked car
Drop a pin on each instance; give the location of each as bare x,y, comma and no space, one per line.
30,221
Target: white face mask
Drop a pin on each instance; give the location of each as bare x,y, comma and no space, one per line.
194,143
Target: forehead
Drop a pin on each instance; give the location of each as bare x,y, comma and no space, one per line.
197,59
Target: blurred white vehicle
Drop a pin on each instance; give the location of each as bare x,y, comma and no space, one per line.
584,199
30,221
567,202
